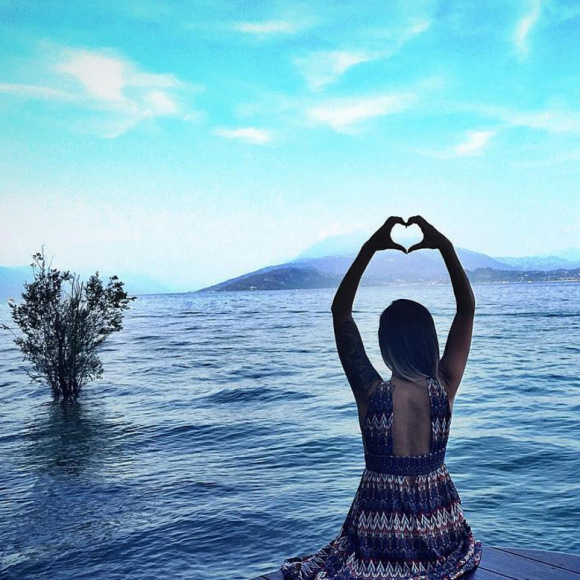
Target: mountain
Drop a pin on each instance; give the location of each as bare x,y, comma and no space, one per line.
12,282
324,264
425,263
544,263
12,279
488,275
282,277
572,254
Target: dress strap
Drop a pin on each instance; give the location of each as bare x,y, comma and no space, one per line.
440,416
379,386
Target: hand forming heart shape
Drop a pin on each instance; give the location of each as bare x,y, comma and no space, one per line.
432,239
406,235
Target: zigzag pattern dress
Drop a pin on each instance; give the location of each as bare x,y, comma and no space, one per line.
406,521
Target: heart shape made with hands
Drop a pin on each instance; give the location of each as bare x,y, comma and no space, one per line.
400,235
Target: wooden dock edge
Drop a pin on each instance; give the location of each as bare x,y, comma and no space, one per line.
498,563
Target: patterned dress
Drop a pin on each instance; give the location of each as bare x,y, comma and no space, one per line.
406,520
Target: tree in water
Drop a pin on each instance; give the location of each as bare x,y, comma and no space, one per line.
62,330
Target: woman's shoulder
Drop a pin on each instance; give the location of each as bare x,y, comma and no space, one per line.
440,378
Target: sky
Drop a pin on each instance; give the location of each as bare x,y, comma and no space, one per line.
196,141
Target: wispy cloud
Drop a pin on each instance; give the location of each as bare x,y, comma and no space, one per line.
344,114
250,135
325,67
35,92
474,144
111,84
270,27
555,120
525,26
116,84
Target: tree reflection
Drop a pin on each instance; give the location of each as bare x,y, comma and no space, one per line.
68,437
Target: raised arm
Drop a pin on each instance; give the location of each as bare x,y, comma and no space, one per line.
454,360
358,369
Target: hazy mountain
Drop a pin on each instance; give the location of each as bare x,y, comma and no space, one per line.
343,245
324,264
425,263
12,281
540,263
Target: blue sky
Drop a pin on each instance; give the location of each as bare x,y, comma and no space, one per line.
196,141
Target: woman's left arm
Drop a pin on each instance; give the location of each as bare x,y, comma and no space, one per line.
360,372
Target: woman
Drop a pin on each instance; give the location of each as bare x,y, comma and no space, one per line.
406,520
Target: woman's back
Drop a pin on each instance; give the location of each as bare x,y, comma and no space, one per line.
411,418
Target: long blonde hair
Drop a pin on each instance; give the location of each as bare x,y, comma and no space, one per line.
408,340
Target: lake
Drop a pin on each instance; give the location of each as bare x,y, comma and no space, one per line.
223,436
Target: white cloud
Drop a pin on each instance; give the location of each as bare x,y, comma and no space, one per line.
247,134
35,92
101,81
269,27
325,67
111,78
103,77
342,114
474,144
551,120
161,103
525,26
418,27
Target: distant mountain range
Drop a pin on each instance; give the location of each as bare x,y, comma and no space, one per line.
324,264
12,282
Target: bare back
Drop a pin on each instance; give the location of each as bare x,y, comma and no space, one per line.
411,418
411,415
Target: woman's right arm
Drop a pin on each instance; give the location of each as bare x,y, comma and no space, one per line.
454,360
461,287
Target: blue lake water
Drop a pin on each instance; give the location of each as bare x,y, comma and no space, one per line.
224,437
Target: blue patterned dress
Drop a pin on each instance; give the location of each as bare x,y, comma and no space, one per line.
398,527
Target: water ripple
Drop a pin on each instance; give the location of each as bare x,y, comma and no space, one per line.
223,436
